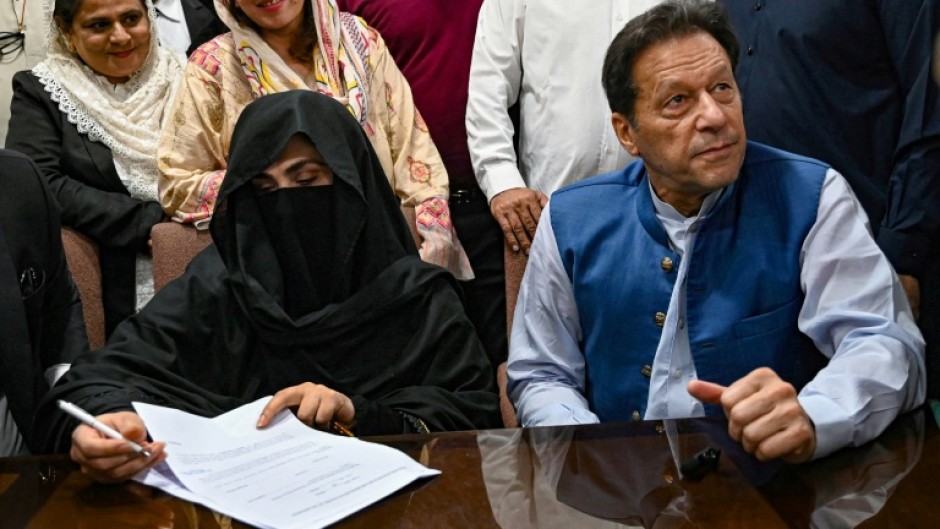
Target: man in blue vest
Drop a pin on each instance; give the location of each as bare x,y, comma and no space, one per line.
712,275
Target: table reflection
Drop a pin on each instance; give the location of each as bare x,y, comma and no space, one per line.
600,476
605,477
622,476
851,487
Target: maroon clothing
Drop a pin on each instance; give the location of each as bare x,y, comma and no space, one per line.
432,43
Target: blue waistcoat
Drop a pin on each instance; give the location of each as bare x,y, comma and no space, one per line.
743,291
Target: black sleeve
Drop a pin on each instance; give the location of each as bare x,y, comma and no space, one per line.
912,217
110,217
452,385
186,349
62,337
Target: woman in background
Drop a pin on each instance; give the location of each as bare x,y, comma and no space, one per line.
90,116
309,45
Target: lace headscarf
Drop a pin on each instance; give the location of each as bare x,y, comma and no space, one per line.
128,117
339,58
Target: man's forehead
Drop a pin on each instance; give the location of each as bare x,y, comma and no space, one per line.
679,59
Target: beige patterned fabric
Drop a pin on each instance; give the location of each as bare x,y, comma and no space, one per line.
216,88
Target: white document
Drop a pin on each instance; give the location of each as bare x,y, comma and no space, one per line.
284,476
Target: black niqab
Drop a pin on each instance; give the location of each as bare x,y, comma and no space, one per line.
300,226
369,229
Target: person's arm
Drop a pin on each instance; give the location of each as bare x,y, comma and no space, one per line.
546,365
419,177
857,314
495,82
496,72
184,349
191,154
448,385
912,218
110,218
418,173
62,336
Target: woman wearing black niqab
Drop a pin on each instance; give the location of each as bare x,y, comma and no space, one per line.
313,292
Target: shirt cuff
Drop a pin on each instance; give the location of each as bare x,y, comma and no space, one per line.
54,373
561,415
498,177
907,253
834,427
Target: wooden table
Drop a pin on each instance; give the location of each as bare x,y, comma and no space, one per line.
603,476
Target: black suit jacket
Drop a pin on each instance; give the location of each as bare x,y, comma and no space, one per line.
84,182
40,311
202,22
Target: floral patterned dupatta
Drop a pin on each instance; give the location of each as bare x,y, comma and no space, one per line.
340,59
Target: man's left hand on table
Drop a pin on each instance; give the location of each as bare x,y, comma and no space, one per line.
764,415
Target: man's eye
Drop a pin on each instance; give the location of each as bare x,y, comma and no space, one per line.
676,100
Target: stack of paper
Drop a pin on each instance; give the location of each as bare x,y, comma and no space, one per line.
282,477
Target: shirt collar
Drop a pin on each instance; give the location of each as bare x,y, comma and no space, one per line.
666,210
171,10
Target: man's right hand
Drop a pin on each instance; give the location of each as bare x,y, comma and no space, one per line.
518,210
111,460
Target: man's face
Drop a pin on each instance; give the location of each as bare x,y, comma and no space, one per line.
689,125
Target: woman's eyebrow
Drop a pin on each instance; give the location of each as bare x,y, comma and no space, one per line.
300,164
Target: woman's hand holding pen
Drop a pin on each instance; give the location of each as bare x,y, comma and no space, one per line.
109,460
317,406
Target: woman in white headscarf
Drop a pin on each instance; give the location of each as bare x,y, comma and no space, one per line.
283,45
90,116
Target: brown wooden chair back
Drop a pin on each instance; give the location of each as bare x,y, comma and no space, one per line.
515,263
174,246
84,263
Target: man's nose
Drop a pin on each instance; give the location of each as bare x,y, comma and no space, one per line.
711,115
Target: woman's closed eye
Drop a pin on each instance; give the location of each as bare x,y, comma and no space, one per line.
314,177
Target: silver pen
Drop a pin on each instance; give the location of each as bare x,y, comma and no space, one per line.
86,418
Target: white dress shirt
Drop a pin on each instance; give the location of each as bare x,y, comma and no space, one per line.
855,311
547,55
171,25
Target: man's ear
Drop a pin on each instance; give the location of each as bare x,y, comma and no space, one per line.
625,132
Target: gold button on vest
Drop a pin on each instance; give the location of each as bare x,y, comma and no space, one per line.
647,371
666,264
660,319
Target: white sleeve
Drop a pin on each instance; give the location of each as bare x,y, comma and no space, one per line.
857,314
495,80
546,365
54,373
